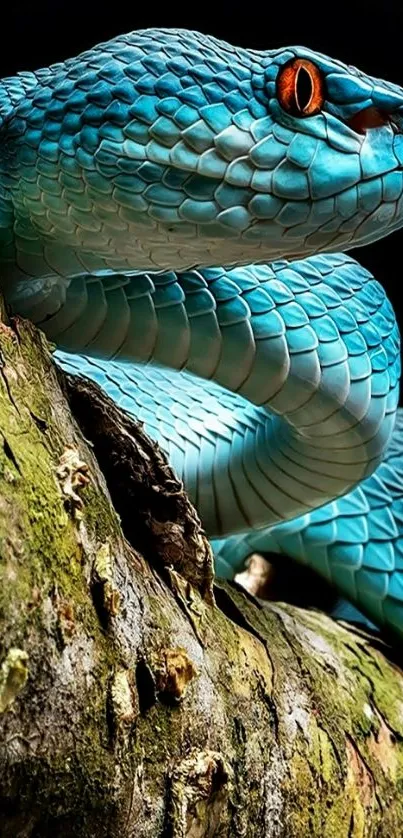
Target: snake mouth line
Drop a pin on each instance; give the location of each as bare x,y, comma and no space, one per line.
371,179
373,117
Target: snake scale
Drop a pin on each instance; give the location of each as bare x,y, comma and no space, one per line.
175,214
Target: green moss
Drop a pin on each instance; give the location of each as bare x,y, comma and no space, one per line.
13,677
41,543
49,551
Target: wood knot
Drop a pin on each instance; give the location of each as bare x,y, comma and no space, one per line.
173,671
105,596
199,795
72,474
122,698
13,677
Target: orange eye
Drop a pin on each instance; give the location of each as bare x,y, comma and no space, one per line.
301,88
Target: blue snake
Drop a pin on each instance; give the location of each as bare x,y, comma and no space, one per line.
175,214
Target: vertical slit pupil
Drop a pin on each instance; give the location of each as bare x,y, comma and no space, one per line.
303,88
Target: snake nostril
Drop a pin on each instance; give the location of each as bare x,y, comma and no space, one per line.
369,118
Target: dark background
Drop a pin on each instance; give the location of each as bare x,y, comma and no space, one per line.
38,33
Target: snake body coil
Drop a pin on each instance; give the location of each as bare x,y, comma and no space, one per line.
127,175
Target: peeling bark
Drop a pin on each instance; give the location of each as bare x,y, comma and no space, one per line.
156,514
136,703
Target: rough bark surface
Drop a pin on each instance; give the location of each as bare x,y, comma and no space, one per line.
133,702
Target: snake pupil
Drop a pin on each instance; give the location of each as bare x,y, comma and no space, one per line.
303,89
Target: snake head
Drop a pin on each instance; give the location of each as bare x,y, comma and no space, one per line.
249,156
336,143
166,149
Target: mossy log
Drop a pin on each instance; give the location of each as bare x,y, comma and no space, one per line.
139,699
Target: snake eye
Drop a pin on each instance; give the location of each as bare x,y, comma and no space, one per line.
301,88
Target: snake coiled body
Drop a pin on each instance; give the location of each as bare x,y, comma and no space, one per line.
171,211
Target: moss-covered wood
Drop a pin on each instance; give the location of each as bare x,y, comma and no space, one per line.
131,703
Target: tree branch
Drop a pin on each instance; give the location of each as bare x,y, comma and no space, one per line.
132,702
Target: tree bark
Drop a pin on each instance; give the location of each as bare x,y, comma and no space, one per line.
137,698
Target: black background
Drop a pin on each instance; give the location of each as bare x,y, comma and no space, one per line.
370,37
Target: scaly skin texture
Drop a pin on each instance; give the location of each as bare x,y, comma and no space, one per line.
126,176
